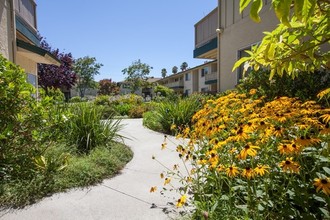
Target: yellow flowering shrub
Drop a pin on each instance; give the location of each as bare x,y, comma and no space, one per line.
257,159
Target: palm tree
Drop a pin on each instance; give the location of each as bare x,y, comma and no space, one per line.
164,72
174,69
184,66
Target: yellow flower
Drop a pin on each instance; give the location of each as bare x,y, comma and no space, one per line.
248,172
248,150
162,175
173,126
175,166
181,201
261,170
164,146
323,184
232,171
285,148
253,91
220,168
153,189
290,165
167,181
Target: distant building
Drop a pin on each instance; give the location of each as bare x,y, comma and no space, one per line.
19,40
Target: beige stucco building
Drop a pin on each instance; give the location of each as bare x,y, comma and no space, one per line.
224,34
19,41
201,79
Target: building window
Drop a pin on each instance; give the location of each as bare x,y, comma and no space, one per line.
187,77
205,70
205,89
187,92
242,53
32,79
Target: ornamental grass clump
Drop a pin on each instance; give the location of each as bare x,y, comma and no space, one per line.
86,129
257,159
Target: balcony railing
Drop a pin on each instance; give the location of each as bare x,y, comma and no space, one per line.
205,29
26,10
177,84
211,76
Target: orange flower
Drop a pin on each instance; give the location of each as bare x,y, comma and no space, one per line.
232,171
324,184
248,172
248,150
290,165
261,170
153,189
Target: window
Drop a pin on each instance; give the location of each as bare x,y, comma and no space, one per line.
242,53
32,79
205,70
187,92
205,89
187,77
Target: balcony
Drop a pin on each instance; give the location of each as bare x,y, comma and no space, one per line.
175,85
26,21
211,78
206,37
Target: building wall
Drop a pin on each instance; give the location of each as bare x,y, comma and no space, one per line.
188,85
6,30
239,32
28,65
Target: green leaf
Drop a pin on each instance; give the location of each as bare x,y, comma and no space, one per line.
255,9
298,5
325,212
243,4
320,199
283,11
327,170
240,62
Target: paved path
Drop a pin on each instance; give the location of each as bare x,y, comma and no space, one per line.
125,196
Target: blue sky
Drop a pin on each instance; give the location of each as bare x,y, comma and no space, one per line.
118,32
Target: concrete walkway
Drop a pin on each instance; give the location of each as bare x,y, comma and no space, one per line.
125,196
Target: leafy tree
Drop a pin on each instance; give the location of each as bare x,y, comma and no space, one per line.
299,42
86,68
52,76
174,69
137,74
184,66
108,87
164,72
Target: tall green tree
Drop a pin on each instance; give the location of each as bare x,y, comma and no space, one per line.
184,66
299,43
86,68
137,74
174,69
164,72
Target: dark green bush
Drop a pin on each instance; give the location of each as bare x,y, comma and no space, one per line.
137,111
102,100
76,99
123,109
305,87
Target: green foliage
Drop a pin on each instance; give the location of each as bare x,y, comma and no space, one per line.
164,72
137,74
299,43
137,111
76,99
55,94
132,99
150,120
176,115
86,130
86,68
123,109
305,87
108,87
102,100
163,91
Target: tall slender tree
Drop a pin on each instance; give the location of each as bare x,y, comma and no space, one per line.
174,69
184,66
164,72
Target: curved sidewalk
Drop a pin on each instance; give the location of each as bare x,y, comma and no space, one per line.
125,196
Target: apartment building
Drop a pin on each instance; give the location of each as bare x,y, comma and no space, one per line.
200,79
224,35
19,41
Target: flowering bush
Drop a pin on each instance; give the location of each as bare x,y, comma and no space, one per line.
253,159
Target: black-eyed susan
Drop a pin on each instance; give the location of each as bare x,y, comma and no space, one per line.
153,189
164,146
221,168
232,171
162,175
290,165
261,170
181,201
305,141
167,181
248,172
284,148
248,150
175,166
324,184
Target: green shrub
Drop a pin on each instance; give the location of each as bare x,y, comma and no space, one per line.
123,109
131,99
137,111
150,120
102,100
55,94
305,87
76,99
86,130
